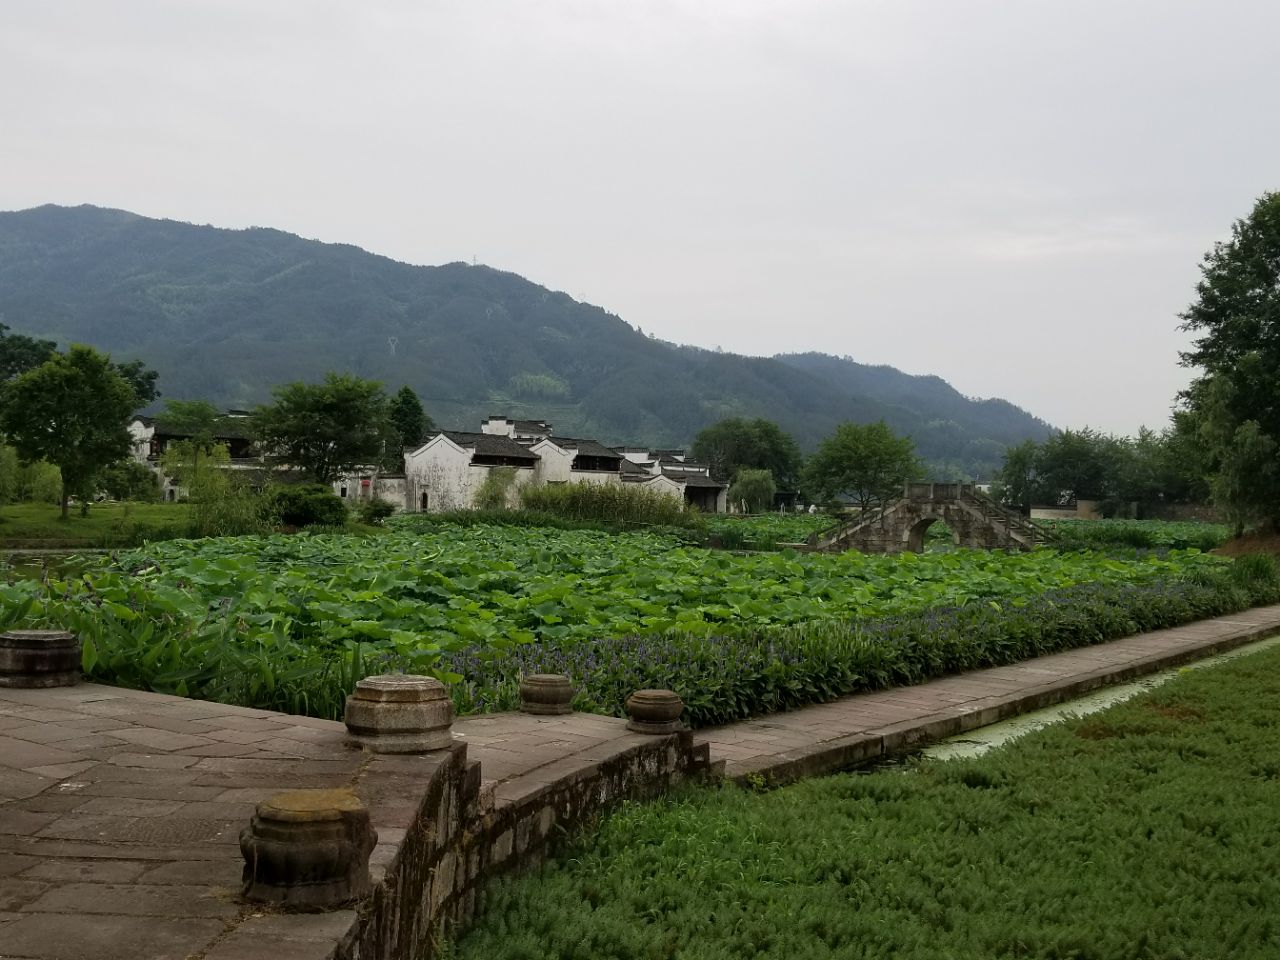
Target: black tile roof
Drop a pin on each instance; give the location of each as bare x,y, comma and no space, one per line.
586,448
524,426
227,428
489,445
693,479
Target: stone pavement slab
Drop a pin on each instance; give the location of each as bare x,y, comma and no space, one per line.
864,727
120,814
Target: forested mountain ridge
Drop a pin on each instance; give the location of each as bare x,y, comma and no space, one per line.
224,315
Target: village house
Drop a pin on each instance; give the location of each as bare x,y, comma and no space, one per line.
449,470
152,437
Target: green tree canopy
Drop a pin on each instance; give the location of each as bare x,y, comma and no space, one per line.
1235,402
754,489
409,421
72,411
1164,467
325,429
735,444
867,463
199,419
19,353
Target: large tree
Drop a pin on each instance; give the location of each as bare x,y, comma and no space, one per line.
866,463
72,411
736,444
19,353
325,429
409,421
1236,400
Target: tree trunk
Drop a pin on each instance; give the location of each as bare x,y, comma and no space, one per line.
66,504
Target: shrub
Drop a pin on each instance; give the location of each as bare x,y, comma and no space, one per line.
130,480
373,512
232,509
619,503
755,489
495,492
308,504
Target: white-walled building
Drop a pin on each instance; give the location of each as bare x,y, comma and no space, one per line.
448,471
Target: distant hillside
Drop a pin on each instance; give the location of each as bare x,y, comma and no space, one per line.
226,314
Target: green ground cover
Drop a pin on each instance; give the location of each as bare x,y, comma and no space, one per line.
107,525
1146,832
1151,534
291,622
764,531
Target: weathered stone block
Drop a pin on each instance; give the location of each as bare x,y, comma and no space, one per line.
400,713
308,850
546,694
39,658
654,711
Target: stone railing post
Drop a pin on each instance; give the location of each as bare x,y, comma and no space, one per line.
308,850
654,711
400,713
39,658
546,694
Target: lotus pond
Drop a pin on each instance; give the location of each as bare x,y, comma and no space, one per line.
258,614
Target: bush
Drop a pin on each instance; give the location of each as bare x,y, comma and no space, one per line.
231,509
130,480
619,503
373,512
753,488
495,492
308,504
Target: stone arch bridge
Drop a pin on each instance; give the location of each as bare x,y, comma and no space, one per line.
975,521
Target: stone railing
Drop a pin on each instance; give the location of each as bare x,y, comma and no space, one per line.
311,849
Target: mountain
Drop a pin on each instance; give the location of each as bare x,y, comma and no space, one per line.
225,315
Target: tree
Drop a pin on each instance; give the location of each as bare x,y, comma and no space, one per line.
754,489
736,444
867,463
1078,465
130,480
325,429
1236,400
142,380
73,411
409,422
19,353
1017,477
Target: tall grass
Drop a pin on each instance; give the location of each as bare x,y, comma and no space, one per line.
609,502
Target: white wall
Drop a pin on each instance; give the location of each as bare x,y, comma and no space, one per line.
555,465
442,470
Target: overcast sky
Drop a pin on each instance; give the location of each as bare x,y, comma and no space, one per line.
1012,195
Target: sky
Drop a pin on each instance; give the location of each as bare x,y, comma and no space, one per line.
1014,195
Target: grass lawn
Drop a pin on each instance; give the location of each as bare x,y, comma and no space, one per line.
1150,830
31,524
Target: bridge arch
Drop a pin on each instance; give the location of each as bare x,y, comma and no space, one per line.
913,536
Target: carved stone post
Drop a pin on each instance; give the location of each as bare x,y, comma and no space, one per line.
546,694
308,850
400,713
654,711
39,658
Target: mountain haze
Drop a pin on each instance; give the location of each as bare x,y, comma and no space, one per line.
224,315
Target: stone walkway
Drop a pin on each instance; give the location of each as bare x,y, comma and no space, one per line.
861,728
120,810
120,813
